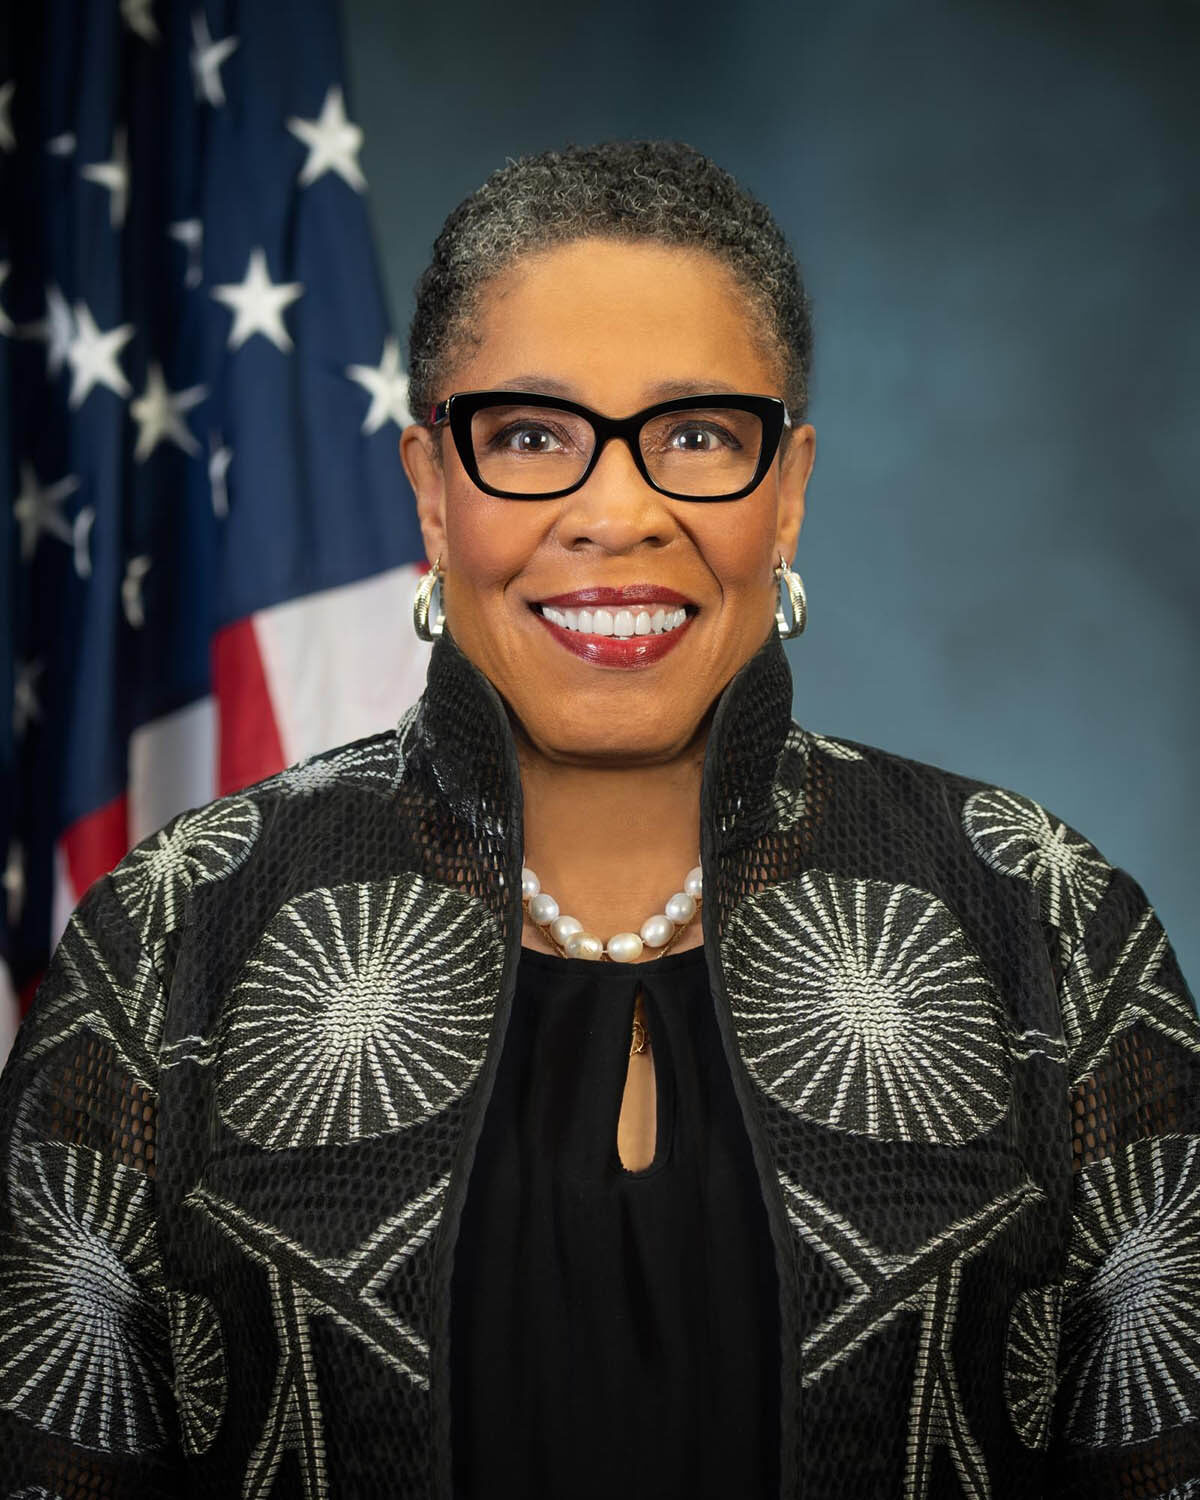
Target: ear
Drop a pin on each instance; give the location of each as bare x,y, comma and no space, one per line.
794,470
423,466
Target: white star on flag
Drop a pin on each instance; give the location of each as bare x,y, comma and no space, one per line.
138,16
57,328
190,234
333,143
93,357
258,304
37,510
219,459
159,415
131,591
388,386
113,175
26,705
207,57
6,323
14,884
81,537
8,141
61,145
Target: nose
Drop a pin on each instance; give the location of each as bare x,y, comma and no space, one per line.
616,509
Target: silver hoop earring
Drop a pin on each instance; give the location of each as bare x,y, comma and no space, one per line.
787,579
423,600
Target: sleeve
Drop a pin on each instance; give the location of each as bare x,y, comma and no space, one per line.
86,1405
1127,1409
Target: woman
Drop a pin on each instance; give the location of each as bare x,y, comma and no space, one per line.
342,1162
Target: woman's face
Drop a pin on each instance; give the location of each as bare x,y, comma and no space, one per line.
617,327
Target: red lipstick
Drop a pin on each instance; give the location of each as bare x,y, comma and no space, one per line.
610,651
632,593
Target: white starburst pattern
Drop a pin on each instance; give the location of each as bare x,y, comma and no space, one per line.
113,175
375,764
333,143
82,1354
1031,1363
92,356
835,749
862,1005
1098,1009
1017,837
198,1361
1131,1325
207,59
62,145
364,1009
258,304
388,387
159,415
154,880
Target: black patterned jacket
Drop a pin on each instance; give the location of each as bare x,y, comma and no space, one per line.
237,1127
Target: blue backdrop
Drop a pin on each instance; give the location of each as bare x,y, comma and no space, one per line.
995,208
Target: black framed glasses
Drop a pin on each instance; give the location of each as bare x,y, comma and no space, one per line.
519,446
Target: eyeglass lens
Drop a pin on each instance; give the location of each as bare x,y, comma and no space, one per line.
538,450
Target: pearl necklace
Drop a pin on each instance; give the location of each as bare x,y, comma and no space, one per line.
572,941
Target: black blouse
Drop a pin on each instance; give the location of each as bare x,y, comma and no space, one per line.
613,1332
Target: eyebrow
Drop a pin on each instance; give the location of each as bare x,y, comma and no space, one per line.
664,390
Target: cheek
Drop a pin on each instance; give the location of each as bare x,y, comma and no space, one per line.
488,540
739,546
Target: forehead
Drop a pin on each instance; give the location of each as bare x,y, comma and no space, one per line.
613,321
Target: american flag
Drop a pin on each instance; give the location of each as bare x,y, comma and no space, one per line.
212,548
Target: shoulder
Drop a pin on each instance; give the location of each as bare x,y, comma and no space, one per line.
1003,830
214,842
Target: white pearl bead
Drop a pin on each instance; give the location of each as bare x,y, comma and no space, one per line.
563,928
543,909
583,945
693,882
624,947
680,908
530,884
657,930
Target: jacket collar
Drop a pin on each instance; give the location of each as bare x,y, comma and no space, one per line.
464,752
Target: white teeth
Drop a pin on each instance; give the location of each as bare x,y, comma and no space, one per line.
623,624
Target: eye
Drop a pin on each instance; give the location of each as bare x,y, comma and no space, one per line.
530,438
700,437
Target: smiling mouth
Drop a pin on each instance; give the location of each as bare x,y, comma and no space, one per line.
621,624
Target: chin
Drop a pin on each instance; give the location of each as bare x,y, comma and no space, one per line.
589,735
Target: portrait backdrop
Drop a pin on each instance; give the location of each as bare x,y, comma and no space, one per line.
994,207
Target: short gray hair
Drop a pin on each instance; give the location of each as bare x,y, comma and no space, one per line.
634,190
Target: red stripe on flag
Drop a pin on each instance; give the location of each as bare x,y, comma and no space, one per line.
248,742
94,844
28,990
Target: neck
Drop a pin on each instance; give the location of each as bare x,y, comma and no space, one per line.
611,844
